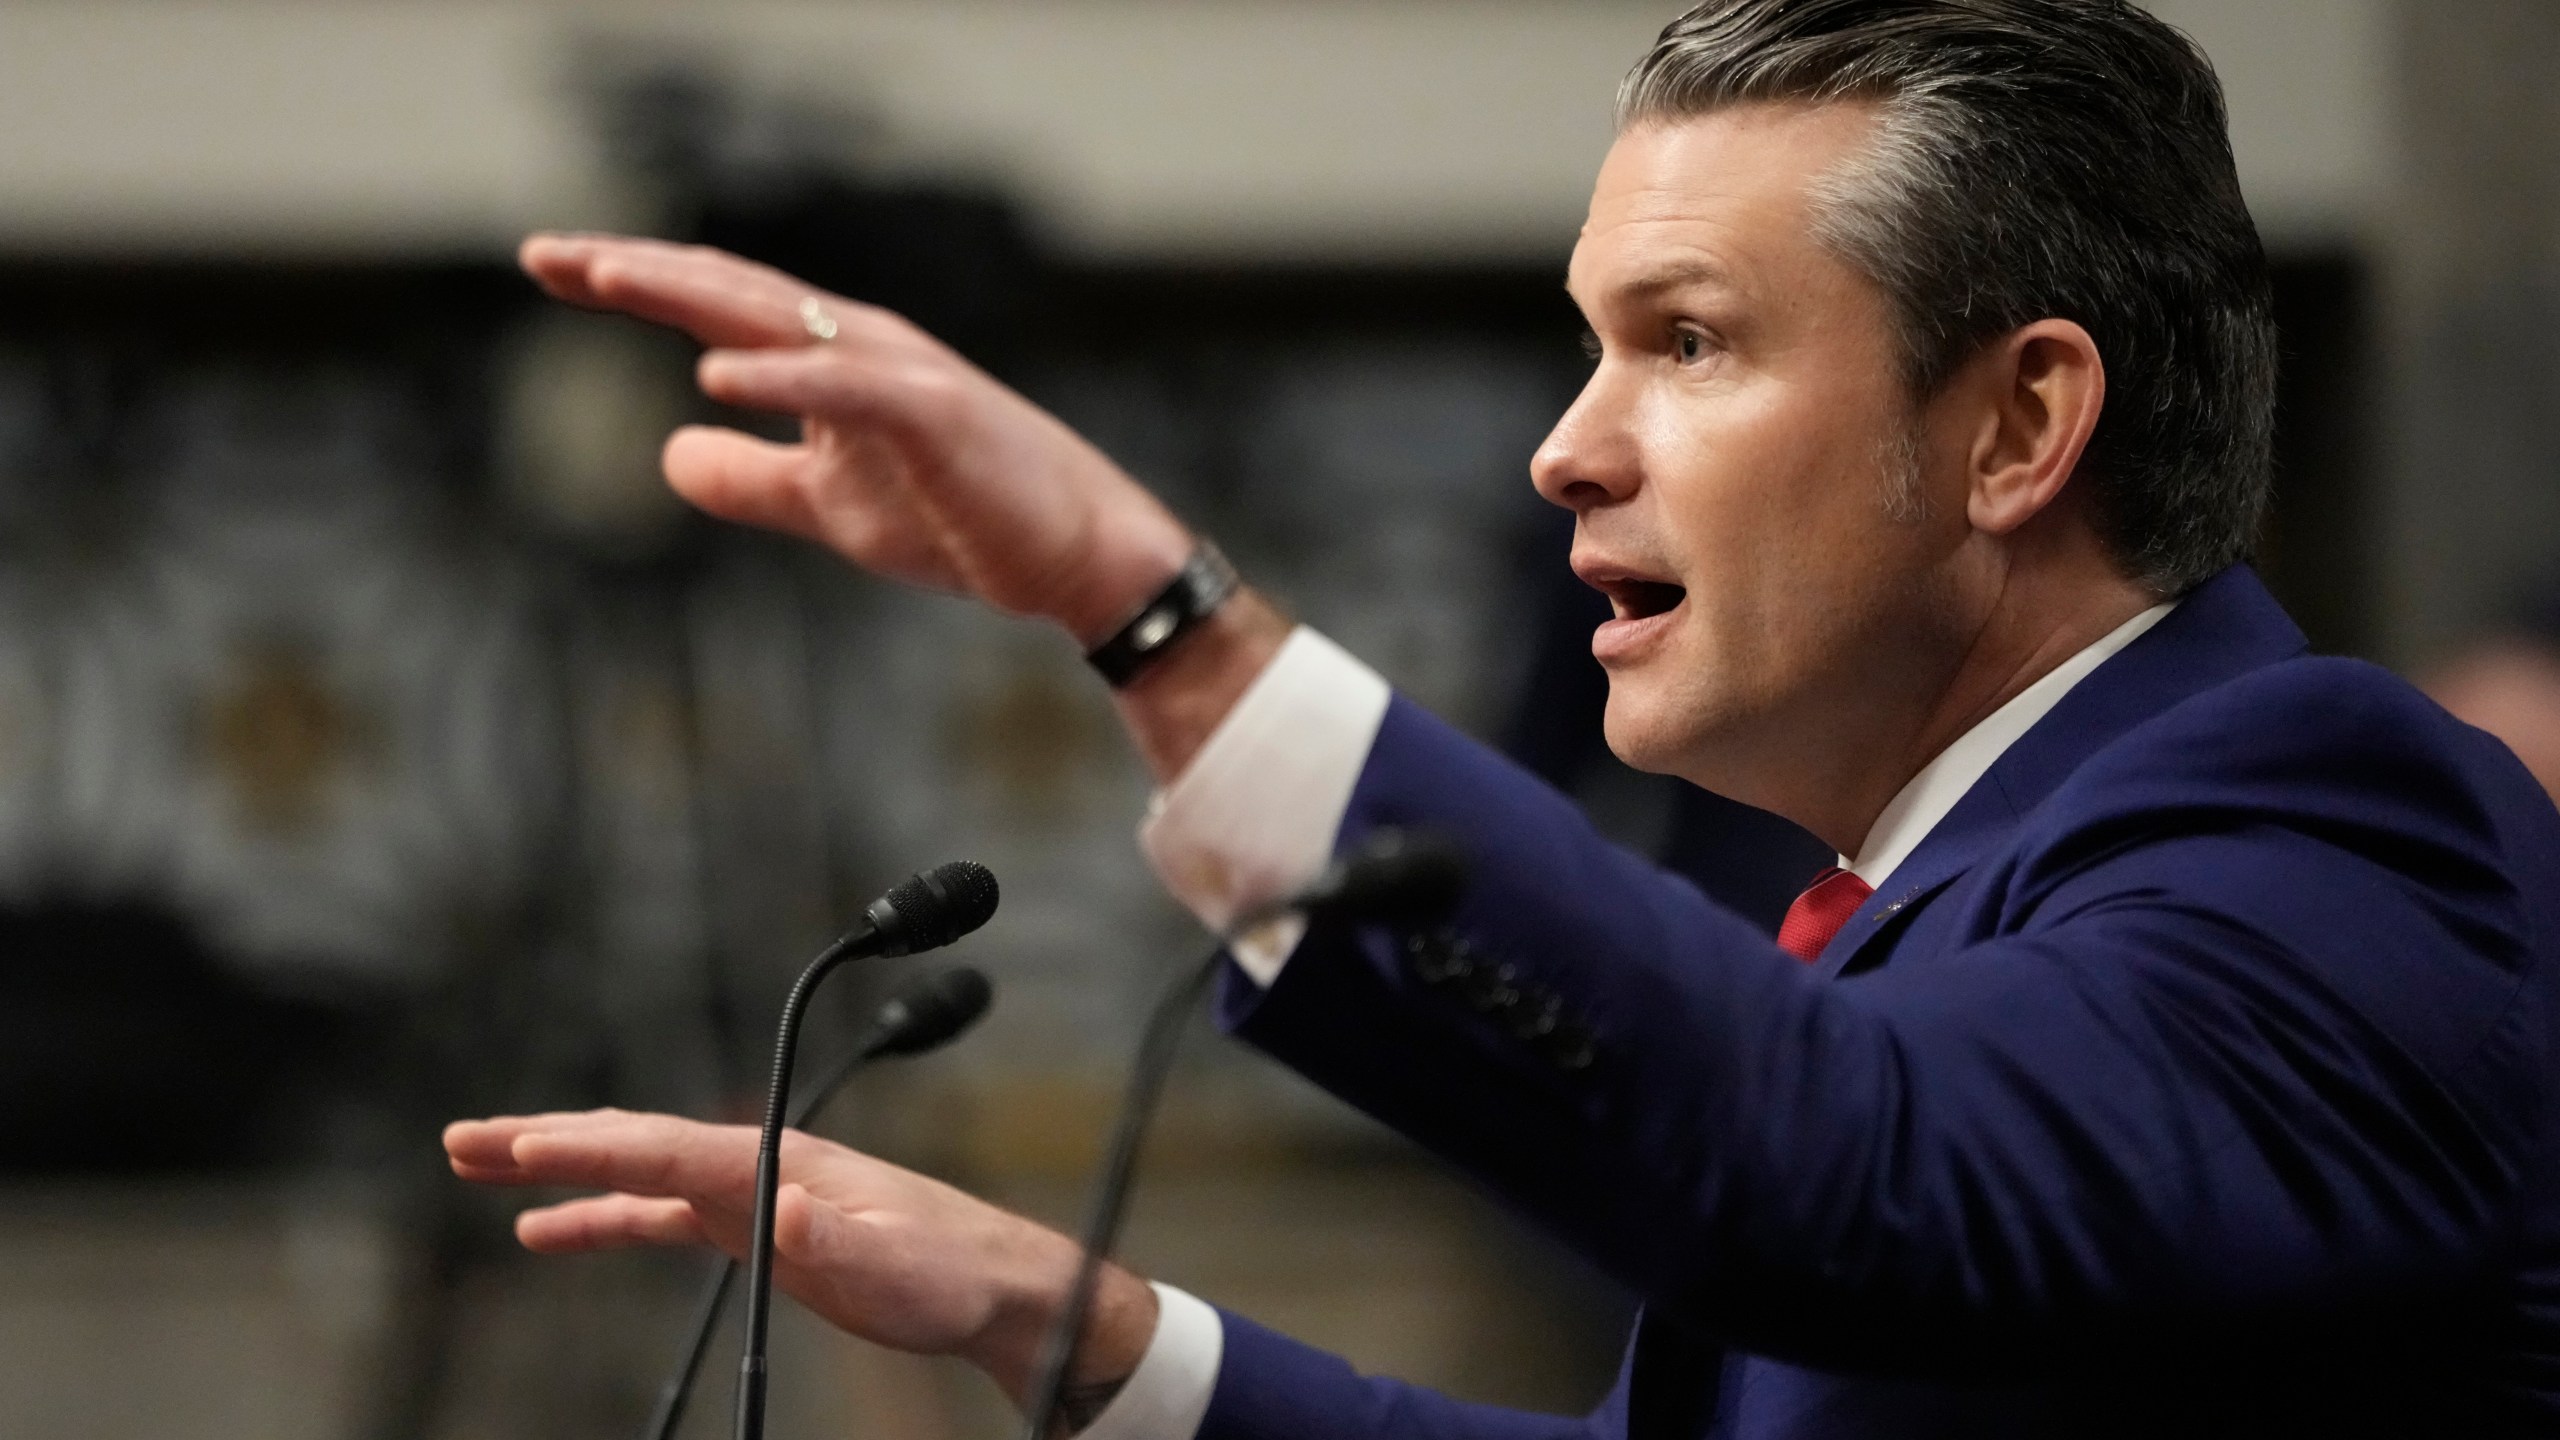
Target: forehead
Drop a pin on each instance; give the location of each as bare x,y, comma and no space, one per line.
1723,199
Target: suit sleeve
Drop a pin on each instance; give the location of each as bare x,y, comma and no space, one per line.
2209,1052
1271,1387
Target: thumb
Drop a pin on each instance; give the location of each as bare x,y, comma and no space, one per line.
737,477
808,1230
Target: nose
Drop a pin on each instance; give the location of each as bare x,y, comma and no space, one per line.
1590,458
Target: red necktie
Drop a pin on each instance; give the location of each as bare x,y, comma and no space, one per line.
1820,911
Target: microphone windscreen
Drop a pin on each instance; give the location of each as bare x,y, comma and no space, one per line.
931,1011
1396,877
941,905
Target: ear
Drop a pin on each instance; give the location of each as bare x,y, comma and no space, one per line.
2038,390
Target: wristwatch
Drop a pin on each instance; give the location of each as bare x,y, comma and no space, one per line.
1205,582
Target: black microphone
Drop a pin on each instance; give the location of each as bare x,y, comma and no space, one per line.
924,1013
1394,877
921,912
920,1015
925,911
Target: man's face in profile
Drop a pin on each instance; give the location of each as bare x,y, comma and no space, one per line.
1740,460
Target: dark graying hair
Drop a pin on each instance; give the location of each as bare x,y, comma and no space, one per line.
2033,159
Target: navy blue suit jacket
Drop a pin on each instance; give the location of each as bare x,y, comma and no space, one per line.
2195,1076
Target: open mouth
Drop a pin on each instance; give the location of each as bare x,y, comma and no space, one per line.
1643,599
1641,608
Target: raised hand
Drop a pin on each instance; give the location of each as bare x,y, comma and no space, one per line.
912,462
881,1252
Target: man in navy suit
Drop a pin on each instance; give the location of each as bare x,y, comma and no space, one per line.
2173,1050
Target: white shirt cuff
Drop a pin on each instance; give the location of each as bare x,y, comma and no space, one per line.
1252,819
1169,1391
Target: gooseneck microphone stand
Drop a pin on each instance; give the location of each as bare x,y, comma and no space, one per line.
923,912
1158,1046
925,1013
1397,877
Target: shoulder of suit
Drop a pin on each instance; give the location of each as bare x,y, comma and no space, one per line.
2320,737
2336,814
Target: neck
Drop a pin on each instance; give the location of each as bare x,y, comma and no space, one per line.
2014,633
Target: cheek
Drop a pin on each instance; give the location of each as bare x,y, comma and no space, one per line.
1776,504
1813,468
1747,487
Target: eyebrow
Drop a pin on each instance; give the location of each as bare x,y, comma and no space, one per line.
1678,275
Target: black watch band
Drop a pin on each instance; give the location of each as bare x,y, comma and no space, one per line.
1193,596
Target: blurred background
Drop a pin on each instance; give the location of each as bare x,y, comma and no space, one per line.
379,744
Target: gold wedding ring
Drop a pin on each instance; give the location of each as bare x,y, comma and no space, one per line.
815,319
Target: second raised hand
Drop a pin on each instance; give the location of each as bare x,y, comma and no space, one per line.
913,463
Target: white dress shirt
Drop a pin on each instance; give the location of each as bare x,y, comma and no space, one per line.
1253,818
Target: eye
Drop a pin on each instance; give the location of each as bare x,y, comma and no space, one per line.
1689,345
1590,343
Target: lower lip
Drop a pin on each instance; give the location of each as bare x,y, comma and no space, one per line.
1622,640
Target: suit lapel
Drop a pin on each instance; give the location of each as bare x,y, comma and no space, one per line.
2227,627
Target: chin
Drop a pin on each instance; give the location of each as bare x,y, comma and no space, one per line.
1696,732
1638,735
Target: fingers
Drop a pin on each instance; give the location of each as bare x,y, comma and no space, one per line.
653,1155
907,396
609,1222
489,1145
719,298
484,1150
480,1150
558,263
714,296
